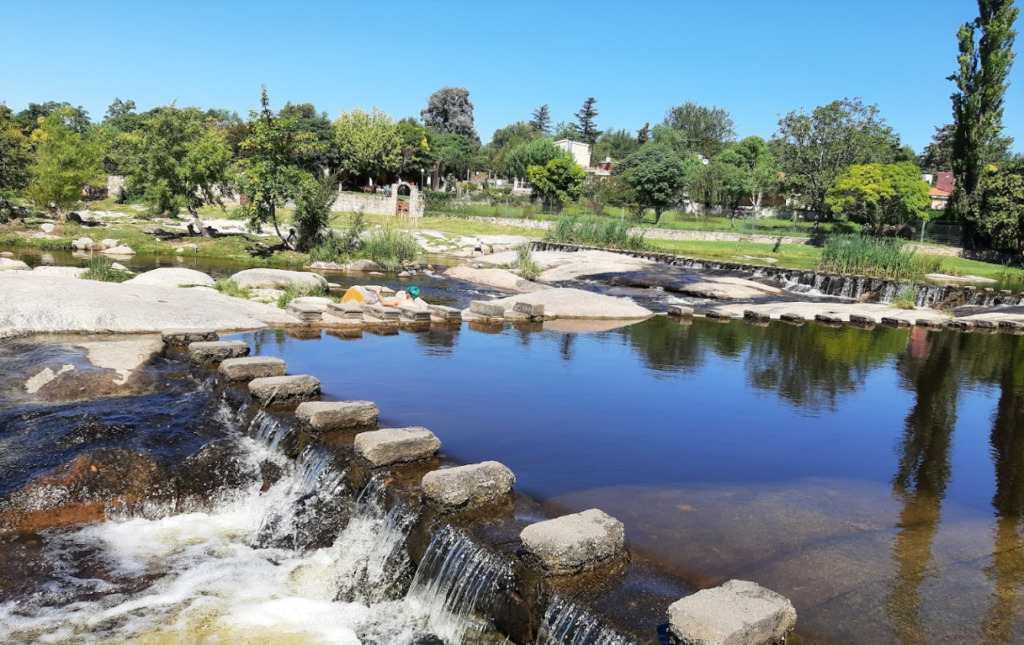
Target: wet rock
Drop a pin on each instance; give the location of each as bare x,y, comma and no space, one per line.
184,337
428,639
82,489
680,310
217,471
82,244
363,265
7,264
285,390
793,319
251,367
123,356
828,319
862,320
172,277
280,279
396,445
118,250
463,487
928,323
573,543
325,416
213,352
736,613
899,323
755,316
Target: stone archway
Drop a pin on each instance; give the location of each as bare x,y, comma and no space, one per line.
403,206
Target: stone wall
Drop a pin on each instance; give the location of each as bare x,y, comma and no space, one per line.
378,204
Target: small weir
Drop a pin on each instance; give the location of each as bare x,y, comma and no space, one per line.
566,623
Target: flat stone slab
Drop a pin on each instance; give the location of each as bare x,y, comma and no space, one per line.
793,319
714,314
470,486
736,613
250,367
446,314
415,314
861,320
285,389
306,312
324,416
680,310
532,309
573,543
829,319
185,337
396,445
898,323
213,352
756,316
380,312
487,309
347,310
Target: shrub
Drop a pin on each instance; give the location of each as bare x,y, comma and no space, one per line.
390,247
905,298
293,292
594,231
525,264
102,269
881,258
229,287
313,212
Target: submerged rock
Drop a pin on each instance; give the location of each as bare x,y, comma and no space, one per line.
736,613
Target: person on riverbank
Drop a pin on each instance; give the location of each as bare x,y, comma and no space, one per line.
406,297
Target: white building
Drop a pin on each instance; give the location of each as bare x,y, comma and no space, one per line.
580,151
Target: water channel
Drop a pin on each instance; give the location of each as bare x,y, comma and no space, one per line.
876,478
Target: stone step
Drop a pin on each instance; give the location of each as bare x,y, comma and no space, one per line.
714,314
348,310
756,316
929,323
396,445
738,612
380,312
276,390
213,352
250,367
533,311
487,309
828,319
325,416
861,320
793,319
306,312
183,337
680,310
446,314
414,314
898,323
573,543
467,487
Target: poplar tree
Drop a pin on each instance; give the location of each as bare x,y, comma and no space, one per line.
986,55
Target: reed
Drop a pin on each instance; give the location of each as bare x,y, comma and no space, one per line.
594,231
390,247
880,258
102,269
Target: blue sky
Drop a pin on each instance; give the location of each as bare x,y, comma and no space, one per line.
759,59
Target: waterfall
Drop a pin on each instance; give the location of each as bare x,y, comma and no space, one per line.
456,578
268,431
566,623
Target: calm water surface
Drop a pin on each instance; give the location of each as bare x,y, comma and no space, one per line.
874,477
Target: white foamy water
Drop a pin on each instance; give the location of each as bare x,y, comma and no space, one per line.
202,578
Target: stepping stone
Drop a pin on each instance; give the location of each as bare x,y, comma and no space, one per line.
250,367
414,314
213,352
962,325
487,309
349,310
306,312
714,314
446,314
793,319
272,390
466,487
861,320
1011,326
573,543
736,613
396,445
928,323
380,312
324,416
183,337
898,323
755,316
680,310
828,319
985,324
534,311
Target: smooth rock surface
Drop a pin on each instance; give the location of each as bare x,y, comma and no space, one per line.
123,356
213,352
184,337
325,416
285,389
576,303
172,277
279,279
7,264
738,612
396,445
247,368
573,543
118,250
468,486
59,272
495,278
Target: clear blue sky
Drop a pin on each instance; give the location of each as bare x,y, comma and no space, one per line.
758,59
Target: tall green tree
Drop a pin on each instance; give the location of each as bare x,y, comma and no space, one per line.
1002,201
180,159
449,111
752,169
656,175
307,119
815,148
938,155
505,140
879,195
541,120
369,144
453,155
75,118
559,181
415,157
617,144
532,153
66,163
272,170
643,135
15,159
586,122
983,67
703,130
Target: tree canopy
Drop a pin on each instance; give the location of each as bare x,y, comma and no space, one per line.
586,124
813,149
1002,200
66,162
449,111
540,120
879,195
617,144
369,143
751,170
701,130
453,154
15,159
559,180
656,175
532,153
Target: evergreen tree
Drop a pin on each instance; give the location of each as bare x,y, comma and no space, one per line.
986,55
585,124
643,135
541,121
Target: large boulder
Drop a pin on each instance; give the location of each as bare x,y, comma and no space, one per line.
120,251
577,303
280,279
61,272
7,264
172,277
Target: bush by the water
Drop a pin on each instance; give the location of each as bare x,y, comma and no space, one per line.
229,287
525,264
876,257
339,247
102,269
390,247
593,231
905,298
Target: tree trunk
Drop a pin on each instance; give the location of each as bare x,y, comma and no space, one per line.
277,229
435,176
198,222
